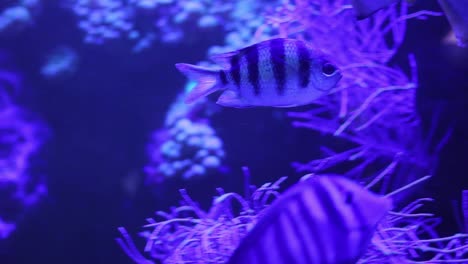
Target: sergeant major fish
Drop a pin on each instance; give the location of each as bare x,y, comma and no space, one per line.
320,220
278,72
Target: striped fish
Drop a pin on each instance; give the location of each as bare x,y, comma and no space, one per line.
278,72
322,219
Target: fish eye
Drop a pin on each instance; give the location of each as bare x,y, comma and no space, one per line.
349,198
328,69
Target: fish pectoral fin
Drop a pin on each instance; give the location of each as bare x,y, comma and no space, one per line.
231,99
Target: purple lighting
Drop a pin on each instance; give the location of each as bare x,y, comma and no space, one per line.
21,137
187,147
372,135
188,234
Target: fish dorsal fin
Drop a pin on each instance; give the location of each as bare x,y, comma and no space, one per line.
223,59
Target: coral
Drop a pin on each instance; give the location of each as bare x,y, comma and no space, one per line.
16,18
372,110
6,228
242,24
102,20
60,63
188,234
187,147
409,236
21,137
143,22
376,135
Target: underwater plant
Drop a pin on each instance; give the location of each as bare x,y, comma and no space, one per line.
188,234
187,146
410,236
372,110
371,116
377,140
21,137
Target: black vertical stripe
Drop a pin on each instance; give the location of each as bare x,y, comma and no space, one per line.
235,70
365,232
335,217
304,64
295,222
337,236
278,58
360,218
312,228
222,77
281,243
253,68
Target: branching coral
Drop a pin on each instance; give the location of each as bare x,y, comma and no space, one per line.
188,234
409,236
372,114
378,138
372,111
21,136
20,140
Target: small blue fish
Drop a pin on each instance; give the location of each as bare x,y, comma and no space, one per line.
278,72
322,220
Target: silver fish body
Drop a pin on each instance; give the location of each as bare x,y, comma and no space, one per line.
322,220
278,72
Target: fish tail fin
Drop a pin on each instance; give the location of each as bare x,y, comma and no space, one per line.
207,80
